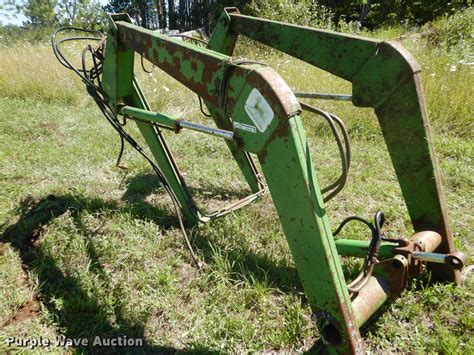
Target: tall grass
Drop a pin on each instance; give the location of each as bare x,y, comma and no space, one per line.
31,71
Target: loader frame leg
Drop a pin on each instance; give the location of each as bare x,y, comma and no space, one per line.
384,76
292,181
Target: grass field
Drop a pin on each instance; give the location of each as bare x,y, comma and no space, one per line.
88,249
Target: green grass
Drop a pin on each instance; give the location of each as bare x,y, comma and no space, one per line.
97,251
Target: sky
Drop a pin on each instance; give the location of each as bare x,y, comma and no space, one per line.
13,18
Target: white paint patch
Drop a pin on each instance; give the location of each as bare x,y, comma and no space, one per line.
259,110
244,127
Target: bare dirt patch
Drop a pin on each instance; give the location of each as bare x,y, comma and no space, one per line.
28,310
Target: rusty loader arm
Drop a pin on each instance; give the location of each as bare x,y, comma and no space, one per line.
259,115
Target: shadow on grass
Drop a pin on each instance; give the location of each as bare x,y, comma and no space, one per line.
245,264
80,314
142,185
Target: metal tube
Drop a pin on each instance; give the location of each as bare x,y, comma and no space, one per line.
427,240
375,292
321,96
150,116
172,122
358,248
204,129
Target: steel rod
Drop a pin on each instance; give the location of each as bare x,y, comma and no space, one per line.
429,257
205,129
322,96
172,122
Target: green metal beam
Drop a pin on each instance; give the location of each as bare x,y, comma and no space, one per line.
288,169
358,248
339,54
162,154
386,77
198,68
120,87
223,42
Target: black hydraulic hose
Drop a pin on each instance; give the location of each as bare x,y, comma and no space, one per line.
95,91
344,149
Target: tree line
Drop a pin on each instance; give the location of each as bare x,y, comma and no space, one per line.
185,15
181,15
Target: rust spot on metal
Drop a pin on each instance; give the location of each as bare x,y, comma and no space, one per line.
141,42
262,155
274,88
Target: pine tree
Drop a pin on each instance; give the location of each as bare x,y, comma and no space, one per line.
40,13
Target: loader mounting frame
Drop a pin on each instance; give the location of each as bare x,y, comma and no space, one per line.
259,116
